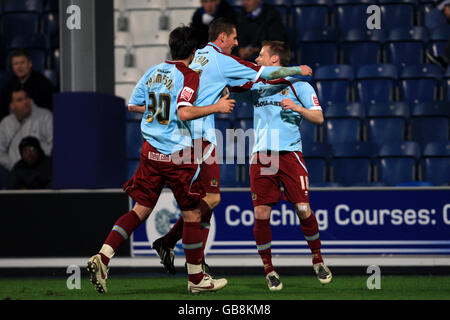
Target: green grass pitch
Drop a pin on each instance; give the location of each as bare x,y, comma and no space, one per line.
161,287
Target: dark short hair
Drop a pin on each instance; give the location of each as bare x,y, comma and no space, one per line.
32,142
218,26
182,42
19,53
14,90
281,49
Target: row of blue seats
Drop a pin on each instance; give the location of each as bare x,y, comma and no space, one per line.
348,14
391,164
381,83
376,130
404,46
358,164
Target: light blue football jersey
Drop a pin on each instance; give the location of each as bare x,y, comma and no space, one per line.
217,70
162,89
274,128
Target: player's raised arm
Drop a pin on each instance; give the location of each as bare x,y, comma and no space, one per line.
224,105
270,73
314,116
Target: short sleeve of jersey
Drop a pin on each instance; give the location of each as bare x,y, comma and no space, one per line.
236,68
139,92
307,95
188,93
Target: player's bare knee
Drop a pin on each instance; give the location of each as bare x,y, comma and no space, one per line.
262,212
142,211
303,210
212,199
191,215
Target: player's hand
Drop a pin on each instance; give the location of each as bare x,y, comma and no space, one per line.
289,104
225,105
306,70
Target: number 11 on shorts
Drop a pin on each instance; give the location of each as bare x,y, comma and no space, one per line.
304,182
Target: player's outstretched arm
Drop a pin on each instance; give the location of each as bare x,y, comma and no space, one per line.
270,73
314,116
137,109
224,105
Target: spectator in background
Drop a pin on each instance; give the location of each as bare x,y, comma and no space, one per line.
34,170
37,86
257,22
26,119
442,60
210,10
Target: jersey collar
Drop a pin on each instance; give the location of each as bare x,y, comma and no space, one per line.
215,46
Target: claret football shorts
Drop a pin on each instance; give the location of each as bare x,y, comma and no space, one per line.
268,171
156,170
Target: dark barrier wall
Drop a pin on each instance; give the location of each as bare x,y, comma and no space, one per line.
59,224
89,140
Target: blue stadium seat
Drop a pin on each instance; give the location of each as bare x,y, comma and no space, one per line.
282,7
19,24
405,46
132,166
397,13
316,157
342,130
438,40
133,139
432,17
360,47
352,163
317,47
316,150
434,109
221,125
386,122
317,170
310,14
310,132
376,83
430,115
244,111
420,83
31,41
435,163
244,124
229,175
333,83
397,163
351,14
389,109
350,110
386,130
